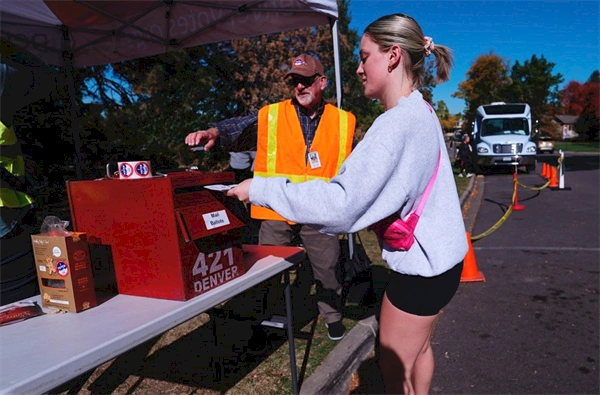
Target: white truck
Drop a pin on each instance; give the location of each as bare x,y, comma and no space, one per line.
504,136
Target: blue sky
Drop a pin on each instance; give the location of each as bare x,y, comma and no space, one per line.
566,33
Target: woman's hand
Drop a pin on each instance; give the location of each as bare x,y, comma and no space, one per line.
241,191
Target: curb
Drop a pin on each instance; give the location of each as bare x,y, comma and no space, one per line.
468,191
471,200
333,375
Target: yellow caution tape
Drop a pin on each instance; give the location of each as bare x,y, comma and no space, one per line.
510,208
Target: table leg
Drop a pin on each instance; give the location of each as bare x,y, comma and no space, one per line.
216,361
290,331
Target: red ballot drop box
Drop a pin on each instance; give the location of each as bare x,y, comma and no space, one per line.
169,237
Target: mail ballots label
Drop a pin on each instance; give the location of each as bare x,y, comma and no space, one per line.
215,219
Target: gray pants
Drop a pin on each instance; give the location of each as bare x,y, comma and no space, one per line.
323,252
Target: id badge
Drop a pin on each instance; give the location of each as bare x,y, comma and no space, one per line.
313,158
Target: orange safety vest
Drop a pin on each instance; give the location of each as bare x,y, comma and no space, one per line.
11,158
281,149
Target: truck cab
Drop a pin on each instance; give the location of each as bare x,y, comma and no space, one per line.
504,136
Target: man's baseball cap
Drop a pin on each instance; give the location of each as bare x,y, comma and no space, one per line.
306,66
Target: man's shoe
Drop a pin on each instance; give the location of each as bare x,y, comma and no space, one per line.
460,175
469,175
336,330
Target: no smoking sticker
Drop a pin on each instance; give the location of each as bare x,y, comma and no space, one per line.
142,169
126,170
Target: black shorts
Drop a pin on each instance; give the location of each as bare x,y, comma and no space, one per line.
424,296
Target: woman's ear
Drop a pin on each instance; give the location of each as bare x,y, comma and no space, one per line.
395,54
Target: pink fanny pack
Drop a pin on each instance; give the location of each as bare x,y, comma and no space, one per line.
398,233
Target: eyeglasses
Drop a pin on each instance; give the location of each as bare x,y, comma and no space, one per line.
305,81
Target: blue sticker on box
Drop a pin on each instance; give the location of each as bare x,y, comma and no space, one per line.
62,268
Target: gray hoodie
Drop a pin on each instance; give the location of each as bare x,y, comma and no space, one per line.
387,172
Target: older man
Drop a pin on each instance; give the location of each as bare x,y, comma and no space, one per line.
302,138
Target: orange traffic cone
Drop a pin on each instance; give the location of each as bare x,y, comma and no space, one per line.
545,171
553,178
470,273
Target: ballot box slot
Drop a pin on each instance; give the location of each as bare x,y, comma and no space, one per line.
198,178
188,189
183,226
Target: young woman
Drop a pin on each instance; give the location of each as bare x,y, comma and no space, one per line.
386,175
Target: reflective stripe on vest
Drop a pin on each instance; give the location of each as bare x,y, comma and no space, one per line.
12,160
283,154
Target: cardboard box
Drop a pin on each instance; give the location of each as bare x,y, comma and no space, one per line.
64,271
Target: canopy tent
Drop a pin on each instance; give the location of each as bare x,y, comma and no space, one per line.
100,32
81,33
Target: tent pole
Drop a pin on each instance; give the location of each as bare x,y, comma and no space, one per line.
75,130
338,88
336,62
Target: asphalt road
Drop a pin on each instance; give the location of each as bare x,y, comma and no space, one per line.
532,327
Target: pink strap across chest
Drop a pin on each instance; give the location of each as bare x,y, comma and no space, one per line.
429,187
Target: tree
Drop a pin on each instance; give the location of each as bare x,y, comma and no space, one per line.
353,98
570,98
164,106
583,100
447,120
485,82
145,107
533,83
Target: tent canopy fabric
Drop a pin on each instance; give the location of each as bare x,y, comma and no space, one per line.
79,33
101,32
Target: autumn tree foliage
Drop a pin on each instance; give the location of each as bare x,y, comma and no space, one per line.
486,79
145,107
353,98
262,62
491,80
447,120
583,100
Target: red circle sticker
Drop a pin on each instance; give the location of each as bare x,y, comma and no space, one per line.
126,170
142,169
62,268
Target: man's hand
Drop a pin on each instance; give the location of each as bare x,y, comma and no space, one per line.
241,191
208,137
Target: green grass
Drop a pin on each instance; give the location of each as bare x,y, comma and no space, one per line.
461,182
578,146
